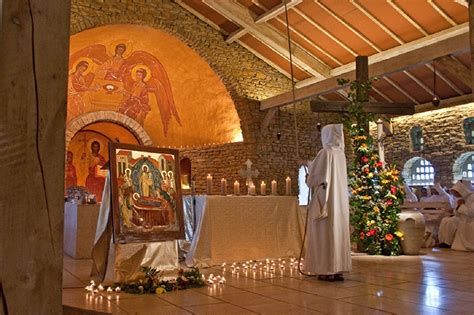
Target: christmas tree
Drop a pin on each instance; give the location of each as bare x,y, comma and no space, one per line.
376,190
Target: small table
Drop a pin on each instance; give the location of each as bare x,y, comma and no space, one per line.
239,228
80,222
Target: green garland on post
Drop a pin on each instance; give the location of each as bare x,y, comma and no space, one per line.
377,192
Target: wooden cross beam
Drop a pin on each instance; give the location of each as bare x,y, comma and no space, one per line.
362,75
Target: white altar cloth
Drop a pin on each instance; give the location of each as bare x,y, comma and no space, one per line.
240,228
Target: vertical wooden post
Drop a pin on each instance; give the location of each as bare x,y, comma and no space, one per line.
471,39
33,63
362,75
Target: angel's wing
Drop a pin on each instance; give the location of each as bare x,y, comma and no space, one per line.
158,83
97,53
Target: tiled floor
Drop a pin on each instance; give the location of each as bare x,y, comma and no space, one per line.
440,281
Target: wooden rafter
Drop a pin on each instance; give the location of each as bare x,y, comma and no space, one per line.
372,107
407,17
419,82
445,79
417,52
347,25
454,67
385,97
236,35
442,13
401,90
277,10
376,21
453,101
302,36
242,16
325,31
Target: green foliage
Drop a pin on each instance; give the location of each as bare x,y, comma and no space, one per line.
376,191
152,281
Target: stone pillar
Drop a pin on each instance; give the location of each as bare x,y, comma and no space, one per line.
33,63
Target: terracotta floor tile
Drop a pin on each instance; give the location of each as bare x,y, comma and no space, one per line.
221,308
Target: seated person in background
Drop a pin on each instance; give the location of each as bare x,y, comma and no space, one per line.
409,194
449,225
464,238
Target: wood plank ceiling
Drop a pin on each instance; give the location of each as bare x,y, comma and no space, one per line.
328,34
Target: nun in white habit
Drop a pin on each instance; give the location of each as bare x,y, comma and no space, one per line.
449,225
328,252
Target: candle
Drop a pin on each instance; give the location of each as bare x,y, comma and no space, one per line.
263,189
209,184
252,189
224,186
236,188
274,188
288,185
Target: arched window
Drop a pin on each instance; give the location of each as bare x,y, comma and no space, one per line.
463,167
468,125
303,188
418,172
416,138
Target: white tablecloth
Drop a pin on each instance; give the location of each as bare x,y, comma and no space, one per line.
239,228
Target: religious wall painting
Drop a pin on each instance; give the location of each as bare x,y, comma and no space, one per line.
146,194
120,79
87,154
154,78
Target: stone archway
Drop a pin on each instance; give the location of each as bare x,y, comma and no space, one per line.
108,116
459,164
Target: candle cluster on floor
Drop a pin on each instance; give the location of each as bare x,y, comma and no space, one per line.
267,267
212,279
93,290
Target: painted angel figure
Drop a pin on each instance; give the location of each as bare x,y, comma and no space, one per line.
140,74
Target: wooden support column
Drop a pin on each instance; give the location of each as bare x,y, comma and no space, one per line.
33,63
471,39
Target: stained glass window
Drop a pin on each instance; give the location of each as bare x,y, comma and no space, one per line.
468,126
417,138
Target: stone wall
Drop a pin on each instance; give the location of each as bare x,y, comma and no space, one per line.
443,137
247,78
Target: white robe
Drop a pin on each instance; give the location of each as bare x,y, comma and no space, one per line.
449,226
329,249
409,194
464,238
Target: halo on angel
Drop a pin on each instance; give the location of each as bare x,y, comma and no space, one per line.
146,72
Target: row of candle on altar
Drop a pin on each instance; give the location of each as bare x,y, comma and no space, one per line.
251,189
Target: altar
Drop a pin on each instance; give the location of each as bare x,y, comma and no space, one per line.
240,228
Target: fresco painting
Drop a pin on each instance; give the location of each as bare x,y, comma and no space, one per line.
155,79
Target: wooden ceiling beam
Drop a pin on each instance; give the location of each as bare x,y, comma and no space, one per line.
376,108
442,13
408,18
376,21
445,79
325,31
449,102
455,68
277,10
401,90
266,34
417,52
236,35
347,25
302,36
